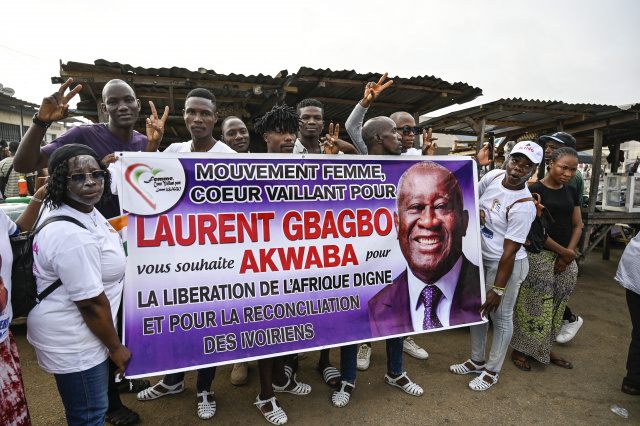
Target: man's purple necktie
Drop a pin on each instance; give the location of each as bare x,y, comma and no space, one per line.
430,297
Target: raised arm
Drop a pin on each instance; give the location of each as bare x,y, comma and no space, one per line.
373,90
428,143
55,107
332,143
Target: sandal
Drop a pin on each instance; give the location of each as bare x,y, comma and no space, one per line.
521,364
341,398
206,409
276,416
122,416
151,393
291,365
133,385
463,369
410,388
331,376
561,362
299,388
479,384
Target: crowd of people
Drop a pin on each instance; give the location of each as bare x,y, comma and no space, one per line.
75,329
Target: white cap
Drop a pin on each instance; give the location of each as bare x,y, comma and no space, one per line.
532,150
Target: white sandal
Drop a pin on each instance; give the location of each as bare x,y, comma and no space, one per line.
151,393
479,384
463,369
341,398
276,416
410,388
299,389
206,409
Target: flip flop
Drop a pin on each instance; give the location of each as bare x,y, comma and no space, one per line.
330,374
521,364
561,362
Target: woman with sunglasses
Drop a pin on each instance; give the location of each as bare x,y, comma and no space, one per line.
72,330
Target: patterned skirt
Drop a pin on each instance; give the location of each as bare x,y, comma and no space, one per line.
537,316
13,404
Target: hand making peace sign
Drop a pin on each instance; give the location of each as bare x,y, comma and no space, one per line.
373,90
155,125
56,106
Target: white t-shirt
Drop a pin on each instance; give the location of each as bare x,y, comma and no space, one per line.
88,261
412,151
186,147
7,227
494,200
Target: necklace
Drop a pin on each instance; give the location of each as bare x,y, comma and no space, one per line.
93,219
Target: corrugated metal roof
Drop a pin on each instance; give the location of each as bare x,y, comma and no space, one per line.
251,96
517,117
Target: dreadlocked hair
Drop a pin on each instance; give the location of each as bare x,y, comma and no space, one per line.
57,187
280,118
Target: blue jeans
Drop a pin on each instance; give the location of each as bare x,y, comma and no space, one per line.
349,359
205,378
502,319
84,395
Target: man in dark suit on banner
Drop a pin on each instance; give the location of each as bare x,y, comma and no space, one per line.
441,287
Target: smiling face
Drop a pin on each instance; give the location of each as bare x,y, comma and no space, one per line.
200,116
519,170
430,221
563,169
119,101
279,142
236,135
84,194
312,122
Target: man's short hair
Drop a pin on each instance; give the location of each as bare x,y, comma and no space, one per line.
371,128
201,92
399,114
113,82
280,117
13,147
309,102
431,166
224,122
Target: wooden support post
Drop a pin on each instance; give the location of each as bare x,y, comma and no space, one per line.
418,137
560,125
172,108
480,143
606,246
595,173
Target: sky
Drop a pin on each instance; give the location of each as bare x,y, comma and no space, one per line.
574,51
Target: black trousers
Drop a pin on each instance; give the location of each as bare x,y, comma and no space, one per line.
632,379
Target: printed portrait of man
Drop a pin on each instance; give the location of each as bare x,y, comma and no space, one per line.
440,287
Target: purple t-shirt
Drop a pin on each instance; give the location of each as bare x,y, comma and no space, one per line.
103,142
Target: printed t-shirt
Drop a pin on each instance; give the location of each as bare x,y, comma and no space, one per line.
494,200
99,138
88,261
7,227
186,147
560,203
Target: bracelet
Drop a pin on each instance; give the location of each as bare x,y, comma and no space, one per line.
37,200
498,291
499,288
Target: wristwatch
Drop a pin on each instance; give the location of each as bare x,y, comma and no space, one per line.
39,122
498,291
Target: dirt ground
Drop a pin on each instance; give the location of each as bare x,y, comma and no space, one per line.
546,395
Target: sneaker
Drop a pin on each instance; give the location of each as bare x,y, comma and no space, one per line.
412,348
364,357
239,373
568,329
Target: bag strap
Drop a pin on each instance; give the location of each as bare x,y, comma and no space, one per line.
57,283
522,200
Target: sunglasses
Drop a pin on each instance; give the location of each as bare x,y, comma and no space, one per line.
81,177
407,130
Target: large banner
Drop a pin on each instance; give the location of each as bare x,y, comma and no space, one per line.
234,257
